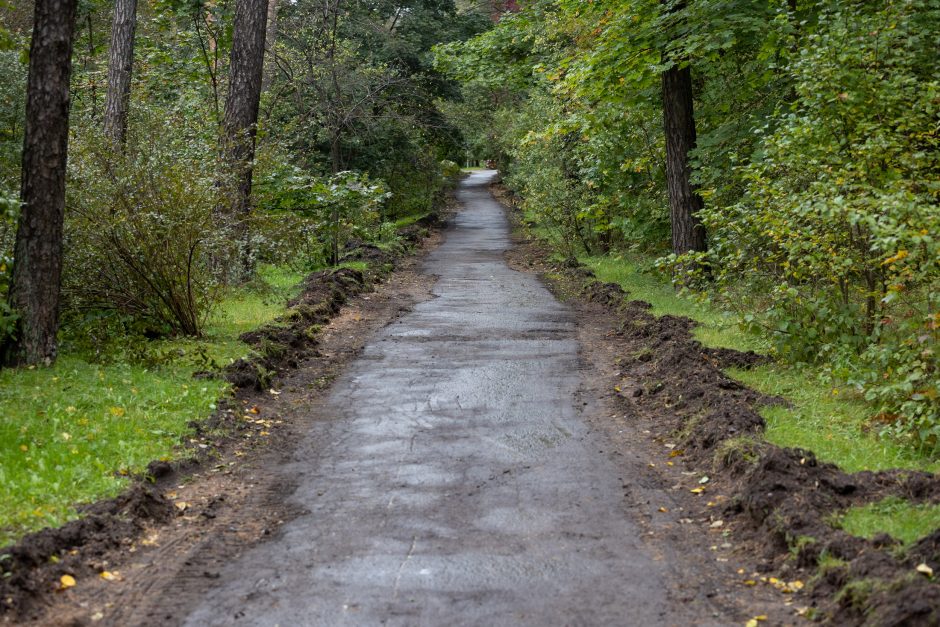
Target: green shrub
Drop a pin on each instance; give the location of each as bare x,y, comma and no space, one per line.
142,235
9,209
305,220
836,231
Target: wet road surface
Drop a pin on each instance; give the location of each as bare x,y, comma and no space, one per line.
455,481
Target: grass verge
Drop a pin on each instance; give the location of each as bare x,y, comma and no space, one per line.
898,518
71,434
834,423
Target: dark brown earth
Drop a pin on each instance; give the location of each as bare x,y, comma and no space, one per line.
666,413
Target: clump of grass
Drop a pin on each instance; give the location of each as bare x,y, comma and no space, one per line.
902,520
407,221
361,266
72,433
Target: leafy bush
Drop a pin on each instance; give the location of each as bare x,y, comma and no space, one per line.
12,115
142,237
837,226
9,209
306,220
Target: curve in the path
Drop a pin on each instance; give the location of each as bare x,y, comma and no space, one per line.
457,482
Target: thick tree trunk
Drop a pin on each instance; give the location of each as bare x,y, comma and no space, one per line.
688,234
120,68
241,105
34,289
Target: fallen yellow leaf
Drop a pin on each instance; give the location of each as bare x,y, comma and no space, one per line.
150,540
181,505
923,569
663,510
697,490
109,576
66,581
117,412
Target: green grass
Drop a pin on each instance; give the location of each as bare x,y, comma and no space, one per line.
898,518
361,266
830,422
71,433
715,328
407,221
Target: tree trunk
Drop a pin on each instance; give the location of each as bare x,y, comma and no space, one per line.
269,38
37,269
120,68
688,234
241,107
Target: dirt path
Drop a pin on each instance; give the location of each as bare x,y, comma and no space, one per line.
452,454
457,481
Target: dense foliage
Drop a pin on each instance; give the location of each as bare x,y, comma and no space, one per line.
349,140
818,157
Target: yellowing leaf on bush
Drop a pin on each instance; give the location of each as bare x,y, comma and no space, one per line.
901,254
117,412
66,582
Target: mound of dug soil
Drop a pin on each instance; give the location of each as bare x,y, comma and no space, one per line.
284,343
76,548
786,498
